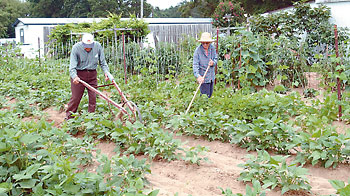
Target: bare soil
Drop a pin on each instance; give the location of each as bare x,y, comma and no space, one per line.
221,170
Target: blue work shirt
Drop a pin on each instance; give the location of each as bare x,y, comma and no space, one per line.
82,60
201,61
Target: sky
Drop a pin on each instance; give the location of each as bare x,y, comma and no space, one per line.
164,4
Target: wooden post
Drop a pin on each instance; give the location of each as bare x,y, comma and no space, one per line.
124,58
114,51
217,50
39,50
240,63
338,80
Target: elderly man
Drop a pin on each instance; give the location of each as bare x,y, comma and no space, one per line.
204,56
85,57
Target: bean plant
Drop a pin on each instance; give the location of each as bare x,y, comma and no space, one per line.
273,171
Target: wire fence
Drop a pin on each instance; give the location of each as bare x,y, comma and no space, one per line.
136,56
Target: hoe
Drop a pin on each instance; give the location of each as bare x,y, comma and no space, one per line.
131,105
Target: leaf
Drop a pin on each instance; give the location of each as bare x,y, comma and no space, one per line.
248,190
251,69
342,76
27,174
316,134
139,184
3,147
345,191
337,184
107,167
70,188
285,189
273,161
27,184
153,193
328,163
29,138
316,155
267,184
5,187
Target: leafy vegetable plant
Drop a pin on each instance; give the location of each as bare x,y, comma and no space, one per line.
273,171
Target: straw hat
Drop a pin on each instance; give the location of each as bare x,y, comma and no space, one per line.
206,37
88,40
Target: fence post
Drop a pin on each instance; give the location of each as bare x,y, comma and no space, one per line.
338,80
124,58
240,64
115,46
39,50
217,51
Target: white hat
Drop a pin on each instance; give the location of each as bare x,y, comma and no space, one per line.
88,40
206,37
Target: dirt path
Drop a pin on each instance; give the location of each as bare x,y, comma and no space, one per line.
222,171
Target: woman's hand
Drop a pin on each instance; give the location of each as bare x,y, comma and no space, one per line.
211,62
200,79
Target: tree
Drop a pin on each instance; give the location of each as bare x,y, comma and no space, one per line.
198,8
130,7
87,8
205,8
75,9
10,11
262,6
46,8
172,12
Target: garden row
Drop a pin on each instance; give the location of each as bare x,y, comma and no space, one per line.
40,158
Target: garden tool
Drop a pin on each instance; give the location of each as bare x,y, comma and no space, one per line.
132,106
199,86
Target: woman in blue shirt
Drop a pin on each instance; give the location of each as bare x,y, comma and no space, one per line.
204,56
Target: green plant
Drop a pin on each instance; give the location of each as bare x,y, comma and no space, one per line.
205,123
273,171
194,154
256,190
259,134
148,139
323,145
342,190
280,89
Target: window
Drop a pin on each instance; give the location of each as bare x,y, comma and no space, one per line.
21,35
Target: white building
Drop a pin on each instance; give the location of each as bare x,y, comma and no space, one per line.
33,33
340,11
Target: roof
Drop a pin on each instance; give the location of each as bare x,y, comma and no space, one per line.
54,21
330,1
62,21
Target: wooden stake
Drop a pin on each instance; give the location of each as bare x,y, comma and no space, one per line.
338,80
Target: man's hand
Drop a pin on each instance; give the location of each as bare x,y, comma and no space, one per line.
76,80
106,77
200,79
211,62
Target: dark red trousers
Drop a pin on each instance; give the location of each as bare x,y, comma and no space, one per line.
89,77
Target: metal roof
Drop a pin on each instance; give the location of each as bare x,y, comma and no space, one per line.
62,21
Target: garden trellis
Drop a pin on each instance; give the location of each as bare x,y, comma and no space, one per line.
133,56
123,41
